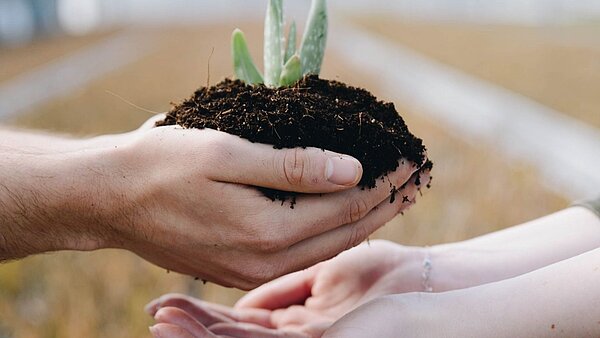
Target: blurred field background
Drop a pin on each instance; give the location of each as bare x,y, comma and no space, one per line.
476,189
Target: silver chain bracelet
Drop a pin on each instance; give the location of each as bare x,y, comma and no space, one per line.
426,274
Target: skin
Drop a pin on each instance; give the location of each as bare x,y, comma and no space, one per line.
538,279
184,200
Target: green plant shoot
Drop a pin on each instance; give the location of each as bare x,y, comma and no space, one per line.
315,38
283,65
243,66
273,53
292,71
291,42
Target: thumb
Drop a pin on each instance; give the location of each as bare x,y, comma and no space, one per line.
285,291
308,170
151,122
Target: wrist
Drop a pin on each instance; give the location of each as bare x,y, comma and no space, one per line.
459,266
406,264
34,216
97,199
56,200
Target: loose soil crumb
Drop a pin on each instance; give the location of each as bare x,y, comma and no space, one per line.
313,113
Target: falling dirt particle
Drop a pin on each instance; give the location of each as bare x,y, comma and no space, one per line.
393,194
553,326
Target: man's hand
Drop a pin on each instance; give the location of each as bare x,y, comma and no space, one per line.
185,200
196,210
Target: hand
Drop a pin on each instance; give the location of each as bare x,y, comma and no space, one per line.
185,200
326,292
331,289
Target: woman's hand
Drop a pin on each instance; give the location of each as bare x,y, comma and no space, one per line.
305,302
331,289
518,265
560,300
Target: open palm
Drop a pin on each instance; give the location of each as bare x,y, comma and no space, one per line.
304,303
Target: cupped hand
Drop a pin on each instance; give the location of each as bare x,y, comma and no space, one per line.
302,304
185,199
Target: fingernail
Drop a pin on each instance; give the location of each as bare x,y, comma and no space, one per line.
343,170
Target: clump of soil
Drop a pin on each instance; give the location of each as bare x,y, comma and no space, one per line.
313,113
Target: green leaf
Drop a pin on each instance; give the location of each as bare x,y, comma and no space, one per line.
291,42
292,71
243,66
315,38
273,53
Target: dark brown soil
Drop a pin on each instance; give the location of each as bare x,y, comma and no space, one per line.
313,113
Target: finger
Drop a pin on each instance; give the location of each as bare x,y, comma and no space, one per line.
153,306
197,310
329,244
246,330
208,313
175,316
309,170
151,122
285,291
174,331
327,212
295,316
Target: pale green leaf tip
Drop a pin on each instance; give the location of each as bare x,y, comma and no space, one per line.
314,40
243,66
273,50
292,72
291,42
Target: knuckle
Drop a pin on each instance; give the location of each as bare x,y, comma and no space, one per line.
216,146
357,235
357,209
295,165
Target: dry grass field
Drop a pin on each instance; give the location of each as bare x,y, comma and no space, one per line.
101,294
558,66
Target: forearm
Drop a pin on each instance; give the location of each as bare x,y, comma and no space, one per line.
42,206
558,300
515,251
22,142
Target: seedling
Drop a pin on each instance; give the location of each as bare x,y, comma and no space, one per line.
269,108
284,65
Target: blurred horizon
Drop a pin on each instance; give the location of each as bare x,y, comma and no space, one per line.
22,20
